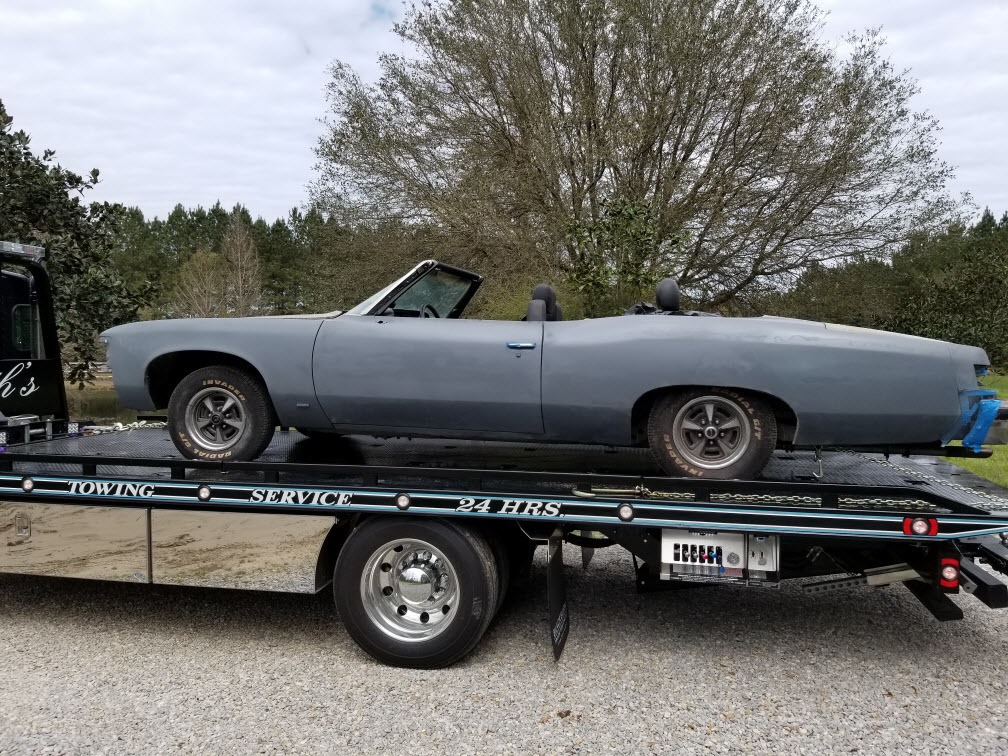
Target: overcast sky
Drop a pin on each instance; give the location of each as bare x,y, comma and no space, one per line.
182,101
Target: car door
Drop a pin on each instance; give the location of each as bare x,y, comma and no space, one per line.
384,371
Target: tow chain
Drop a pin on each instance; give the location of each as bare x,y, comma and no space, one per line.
990,500
995,502
139,424
94,430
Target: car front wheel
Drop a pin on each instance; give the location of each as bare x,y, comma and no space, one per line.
712,433
220,413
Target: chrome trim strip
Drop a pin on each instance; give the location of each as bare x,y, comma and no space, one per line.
328,502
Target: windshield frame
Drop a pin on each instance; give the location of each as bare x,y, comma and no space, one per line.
377,303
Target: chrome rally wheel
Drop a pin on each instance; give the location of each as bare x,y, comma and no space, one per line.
712,432
216,418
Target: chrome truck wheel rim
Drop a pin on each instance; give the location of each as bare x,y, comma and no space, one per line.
215,419
409,590
711,432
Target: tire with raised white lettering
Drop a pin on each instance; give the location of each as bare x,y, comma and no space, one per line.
715,433
220,413
415,592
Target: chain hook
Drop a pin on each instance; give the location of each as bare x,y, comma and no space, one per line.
818,474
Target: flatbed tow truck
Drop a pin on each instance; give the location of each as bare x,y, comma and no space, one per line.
418,539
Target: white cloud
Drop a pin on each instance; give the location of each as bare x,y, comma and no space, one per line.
189,102
183,101
957,53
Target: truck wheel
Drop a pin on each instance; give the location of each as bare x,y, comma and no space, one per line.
220,412
712,433
415,593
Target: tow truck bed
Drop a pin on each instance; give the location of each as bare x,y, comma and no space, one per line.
850,483
125,506
148,451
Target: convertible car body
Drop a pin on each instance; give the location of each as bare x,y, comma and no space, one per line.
712,396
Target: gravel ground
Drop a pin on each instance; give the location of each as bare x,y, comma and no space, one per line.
91,667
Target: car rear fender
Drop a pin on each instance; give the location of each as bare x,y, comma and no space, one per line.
787,419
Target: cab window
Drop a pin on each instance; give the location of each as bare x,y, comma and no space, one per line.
24,329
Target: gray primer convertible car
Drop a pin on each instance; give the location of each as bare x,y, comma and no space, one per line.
712,396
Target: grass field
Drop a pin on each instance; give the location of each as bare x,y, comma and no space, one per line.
996,468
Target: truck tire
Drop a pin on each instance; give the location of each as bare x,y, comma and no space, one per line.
415,593
713,433
220,413
502,557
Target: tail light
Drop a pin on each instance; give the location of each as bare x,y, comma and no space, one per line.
920,526
949,576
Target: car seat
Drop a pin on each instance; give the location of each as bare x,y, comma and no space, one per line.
547,295
667,295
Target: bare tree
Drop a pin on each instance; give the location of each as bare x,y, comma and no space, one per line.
756,147
243,290
200,287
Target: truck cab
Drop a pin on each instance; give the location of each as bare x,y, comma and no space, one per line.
32,394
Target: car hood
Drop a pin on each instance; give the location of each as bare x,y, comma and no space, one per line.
200,324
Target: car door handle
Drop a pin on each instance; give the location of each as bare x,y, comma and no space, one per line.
521,345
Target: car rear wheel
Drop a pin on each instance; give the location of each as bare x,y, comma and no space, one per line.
712,433
416,593
220,412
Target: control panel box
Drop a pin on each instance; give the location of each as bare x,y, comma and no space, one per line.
710,555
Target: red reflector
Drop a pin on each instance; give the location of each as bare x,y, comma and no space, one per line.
949,572
920,526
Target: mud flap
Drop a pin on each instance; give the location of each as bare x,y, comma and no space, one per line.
556,596
942,608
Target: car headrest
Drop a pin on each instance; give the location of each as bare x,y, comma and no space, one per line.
547,294
667,295
536,311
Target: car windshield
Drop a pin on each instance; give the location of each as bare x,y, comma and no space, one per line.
430,290
436,294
